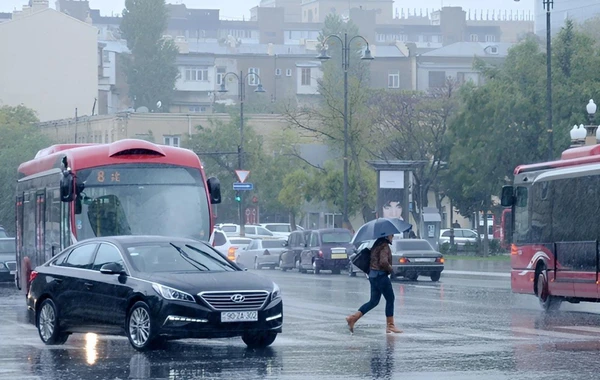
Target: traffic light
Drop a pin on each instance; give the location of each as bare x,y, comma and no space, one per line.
238,198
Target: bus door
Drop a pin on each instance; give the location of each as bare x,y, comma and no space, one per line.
577,265
40,227
19,239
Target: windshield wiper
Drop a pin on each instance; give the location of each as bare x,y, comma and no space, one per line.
209,256
189,259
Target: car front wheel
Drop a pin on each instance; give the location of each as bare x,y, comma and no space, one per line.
259,340
48,324
139,326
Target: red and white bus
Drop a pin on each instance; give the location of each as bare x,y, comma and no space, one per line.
505,228
72,192
555,219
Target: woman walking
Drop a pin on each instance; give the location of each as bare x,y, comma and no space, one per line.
380,269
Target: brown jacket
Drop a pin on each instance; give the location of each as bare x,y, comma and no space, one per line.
381,258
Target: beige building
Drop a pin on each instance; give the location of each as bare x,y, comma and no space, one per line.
49,62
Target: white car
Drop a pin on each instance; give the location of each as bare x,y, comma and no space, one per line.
280,229
261,253
250,230
226,245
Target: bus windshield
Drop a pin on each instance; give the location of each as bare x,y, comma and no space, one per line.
142,199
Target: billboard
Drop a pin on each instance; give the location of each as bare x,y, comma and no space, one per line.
391,195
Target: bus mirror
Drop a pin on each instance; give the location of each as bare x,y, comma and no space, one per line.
66,187
214,189
507,198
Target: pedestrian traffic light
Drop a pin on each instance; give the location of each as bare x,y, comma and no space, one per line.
237,196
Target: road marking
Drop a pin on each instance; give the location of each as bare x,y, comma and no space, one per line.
549,333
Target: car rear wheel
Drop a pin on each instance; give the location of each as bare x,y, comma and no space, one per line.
435,277
48,324
139,326
283,269
259,340
316,268
412,276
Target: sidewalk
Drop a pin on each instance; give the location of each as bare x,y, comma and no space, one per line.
460,268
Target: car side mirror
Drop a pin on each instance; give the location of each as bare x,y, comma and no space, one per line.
112,268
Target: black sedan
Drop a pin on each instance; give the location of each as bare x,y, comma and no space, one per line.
412,258
151,289
8,263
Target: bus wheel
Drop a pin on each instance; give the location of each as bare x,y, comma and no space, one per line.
547,301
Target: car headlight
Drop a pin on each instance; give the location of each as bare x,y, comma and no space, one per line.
276,293
172,294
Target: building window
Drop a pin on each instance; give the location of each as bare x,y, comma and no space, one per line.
490,38
220,75
196,74
253,76
437,79
278,72
105,56
197,109
394,79
288,72
172,140
474,38
305,80
380,37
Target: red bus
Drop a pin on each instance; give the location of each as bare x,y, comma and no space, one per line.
555,217
505,228
72,192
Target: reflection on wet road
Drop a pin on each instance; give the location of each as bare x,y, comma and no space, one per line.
460,328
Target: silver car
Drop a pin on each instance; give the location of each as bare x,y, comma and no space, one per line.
462,236
261,253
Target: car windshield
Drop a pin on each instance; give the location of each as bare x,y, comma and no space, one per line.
7,246
130,199
272,243
412,245
152,257
336,237
279,227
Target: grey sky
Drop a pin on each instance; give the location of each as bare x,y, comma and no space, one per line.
241,8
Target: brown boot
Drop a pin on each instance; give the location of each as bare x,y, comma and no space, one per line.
391,327
351,319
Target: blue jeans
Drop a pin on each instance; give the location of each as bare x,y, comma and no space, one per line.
380,285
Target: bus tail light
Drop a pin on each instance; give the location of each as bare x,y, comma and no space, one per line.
32,276
231,253
513,249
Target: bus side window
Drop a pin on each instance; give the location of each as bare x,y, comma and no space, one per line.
522,224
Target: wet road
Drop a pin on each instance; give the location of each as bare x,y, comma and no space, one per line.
465,327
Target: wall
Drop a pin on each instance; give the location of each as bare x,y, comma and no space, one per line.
49,63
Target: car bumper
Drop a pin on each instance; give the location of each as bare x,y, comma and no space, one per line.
421,269
178,320
6,276
332,264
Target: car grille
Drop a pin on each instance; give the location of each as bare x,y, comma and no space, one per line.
11,265
223,301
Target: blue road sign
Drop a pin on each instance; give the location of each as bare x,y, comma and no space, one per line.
242,186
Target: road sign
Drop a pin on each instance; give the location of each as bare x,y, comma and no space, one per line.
242,186
242,175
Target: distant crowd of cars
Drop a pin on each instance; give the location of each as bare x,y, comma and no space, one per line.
329,249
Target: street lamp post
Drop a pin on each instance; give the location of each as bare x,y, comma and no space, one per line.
548,6
241,78
586,134
345,65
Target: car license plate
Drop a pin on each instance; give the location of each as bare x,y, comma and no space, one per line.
239,316
424,260
339,256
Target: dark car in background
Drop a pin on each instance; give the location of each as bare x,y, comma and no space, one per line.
151,289
412,258
327,249
8,259
3,233
296,243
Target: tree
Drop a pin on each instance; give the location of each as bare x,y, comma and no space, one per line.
151,71
20,140
325,122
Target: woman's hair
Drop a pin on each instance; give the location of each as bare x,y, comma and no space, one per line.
380,241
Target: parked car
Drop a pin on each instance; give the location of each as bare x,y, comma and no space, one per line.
226,245
412,258
296,243
250,230
260,253
462,236
8,259
3,233
151,289
328,249
280,229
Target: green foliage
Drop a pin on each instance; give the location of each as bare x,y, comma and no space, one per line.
20,140
151,71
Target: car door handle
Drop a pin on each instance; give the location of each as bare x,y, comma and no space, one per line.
89,285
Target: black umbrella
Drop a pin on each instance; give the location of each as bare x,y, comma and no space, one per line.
381,227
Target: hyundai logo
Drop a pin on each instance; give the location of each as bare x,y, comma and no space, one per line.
238,298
